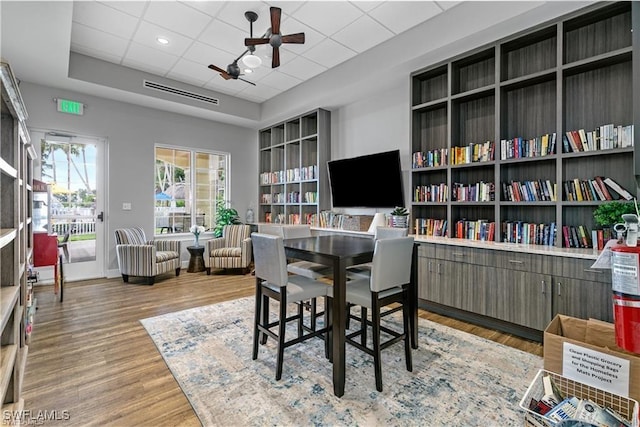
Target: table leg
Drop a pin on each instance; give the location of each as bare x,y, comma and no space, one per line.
339,325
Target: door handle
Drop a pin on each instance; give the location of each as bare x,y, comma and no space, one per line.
100,216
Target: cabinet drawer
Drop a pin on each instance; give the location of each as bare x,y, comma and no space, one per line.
522,261
576,268
485,257
427,250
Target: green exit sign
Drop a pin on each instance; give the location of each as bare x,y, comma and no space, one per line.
70,107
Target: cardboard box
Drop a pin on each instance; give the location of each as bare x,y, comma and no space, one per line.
586,351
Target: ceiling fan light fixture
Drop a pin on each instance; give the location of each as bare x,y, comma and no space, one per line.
252,61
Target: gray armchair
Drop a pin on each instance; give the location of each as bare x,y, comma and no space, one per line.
138,256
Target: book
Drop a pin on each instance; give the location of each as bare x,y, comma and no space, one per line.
613,185
565,235
603,188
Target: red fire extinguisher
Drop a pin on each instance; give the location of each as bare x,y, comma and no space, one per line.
625,270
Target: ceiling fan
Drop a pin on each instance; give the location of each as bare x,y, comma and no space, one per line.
233,70
275,39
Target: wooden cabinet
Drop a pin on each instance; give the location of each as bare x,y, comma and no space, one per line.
502,286
581,291
16,242
522,298
294,186
494,119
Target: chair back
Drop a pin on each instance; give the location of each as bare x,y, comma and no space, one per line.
130,236
391,263
273,229
234,234
390,232
269,258
296,231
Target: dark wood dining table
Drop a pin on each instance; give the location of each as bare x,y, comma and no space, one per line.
341,251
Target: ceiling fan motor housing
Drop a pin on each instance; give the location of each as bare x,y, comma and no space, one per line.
275,40
233,70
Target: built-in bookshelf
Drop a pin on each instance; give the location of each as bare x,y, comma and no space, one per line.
293,181
16,241
499,123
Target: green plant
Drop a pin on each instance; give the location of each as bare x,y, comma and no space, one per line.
399,211
610,213
224,216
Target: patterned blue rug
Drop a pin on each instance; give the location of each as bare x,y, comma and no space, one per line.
458,379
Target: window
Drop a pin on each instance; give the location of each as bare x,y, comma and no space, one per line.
188,186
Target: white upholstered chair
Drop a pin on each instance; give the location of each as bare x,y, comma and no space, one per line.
273,281
387,284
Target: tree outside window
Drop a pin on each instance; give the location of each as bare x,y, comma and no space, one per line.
188,184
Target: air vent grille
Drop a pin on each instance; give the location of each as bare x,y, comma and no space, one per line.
175,91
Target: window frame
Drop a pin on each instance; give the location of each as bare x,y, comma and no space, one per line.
191,179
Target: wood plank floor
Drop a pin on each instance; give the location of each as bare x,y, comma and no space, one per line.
91,357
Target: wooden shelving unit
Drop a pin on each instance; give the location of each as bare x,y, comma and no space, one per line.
16,238
570,74
293,182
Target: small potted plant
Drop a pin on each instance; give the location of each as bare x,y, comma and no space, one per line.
399,217
224,216
610,213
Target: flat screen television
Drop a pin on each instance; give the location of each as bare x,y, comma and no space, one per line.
369,181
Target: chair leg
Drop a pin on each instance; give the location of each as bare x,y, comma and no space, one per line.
348,318
375,318
256,321
313,310
208,271
300,318
363,326
281,331
328,336
125,278
151,280
265,317
177,271
407,331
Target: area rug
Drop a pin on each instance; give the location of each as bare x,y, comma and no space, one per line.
458,379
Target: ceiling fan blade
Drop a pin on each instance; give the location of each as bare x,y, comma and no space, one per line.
251,83
297,38
222,72
275,19
255,41
275,61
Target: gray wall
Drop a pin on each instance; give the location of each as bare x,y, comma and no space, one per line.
131,132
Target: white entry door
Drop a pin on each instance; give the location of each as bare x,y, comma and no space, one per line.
73,166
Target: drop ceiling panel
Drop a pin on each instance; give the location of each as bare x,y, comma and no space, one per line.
177,16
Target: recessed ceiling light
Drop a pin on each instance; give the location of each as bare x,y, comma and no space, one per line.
162,40
248,71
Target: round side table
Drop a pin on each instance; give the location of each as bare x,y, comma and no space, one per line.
196,261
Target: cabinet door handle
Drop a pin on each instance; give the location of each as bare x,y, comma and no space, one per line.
516,261
591,270
543,287
457,254
430,269
439,268
559,289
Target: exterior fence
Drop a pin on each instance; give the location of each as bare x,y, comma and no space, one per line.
76,224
